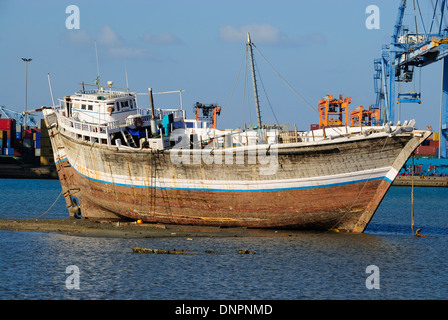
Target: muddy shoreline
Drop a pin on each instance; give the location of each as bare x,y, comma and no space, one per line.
86,228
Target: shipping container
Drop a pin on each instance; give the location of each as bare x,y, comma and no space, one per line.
44,134
37,144
36,136
18,152
18,135
27,143
45,142
8,151
434,143
6,124
28,152
44,130
46,161
314,126
37,152
435,136
426,151
18,144
28,134
48,152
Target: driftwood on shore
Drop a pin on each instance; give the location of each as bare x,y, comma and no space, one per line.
160,251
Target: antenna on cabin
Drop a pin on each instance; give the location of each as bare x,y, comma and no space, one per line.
97,80
51,90
126,72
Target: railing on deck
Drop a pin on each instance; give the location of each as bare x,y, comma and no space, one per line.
87,131
160,113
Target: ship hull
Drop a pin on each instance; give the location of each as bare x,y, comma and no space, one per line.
320,186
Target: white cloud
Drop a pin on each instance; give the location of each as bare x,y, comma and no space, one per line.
107,37
162,38
128,52
78,37
312,38
268,34
109,41
260,33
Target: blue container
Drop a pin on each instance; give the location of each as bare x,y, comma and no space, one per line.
8,143
8,151
37,144
18,135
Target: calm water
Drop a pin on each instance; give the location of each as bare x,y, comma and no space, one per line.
306,266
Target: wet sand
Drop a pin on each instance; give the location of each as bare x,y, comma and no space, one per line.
82,227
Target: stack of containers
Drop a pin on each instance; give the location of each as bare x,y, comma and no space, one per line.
7,136
18,144
37,142
46,151
27,146
429,148
33,146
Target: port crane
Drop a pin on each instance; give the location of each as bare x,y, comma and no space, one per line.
18,116
410,49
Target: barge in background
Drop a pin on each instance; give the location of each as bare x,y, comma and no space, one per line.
116,160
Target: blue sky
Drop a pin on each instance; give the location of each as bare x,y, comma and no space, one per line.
320,47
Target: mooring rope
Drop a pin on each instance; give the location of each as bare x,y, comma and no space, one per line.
49,208
79,151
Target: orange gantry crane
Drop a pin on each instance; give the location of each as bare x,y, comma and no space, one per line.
360,117
334,112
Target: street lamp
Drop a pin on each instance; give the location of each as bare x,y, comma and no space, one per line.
26,84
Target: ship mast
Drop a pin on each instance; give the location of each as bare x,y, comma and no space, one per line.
254,80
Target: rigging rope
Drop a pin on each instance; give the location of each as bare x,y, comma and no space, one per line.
233,90
287,83
267,98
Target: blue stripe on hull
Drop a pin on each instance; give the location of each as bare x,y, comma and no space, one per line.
237,190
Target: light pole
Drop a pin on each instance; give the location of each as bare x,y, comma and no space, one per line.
26,85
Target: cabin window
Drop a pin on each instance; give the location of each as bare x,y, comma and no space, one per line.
131,103
118,106
90,107
125,103
83,107
110,105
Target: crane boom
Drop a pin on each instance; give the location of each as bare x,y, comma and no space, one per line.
406,51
